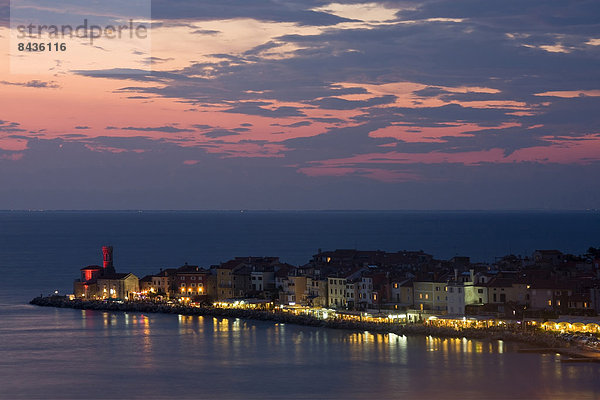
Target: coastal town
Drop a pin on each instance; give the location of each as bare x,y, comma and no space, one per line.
548,290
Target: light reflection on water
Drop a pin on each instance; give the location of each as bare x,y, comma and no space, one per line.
91,354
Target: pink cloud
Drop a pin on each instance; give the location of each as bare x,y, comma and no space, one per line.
412,134
12,157
563,150
13,144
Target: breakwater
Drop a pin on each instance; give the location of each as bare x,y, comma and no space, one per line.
532,337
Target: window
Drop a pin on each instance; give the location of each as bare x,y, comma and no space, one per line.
451,290
183,285
437,288
193,278
459,290
420,295
193,285
182,278
426,296
479,290
395,286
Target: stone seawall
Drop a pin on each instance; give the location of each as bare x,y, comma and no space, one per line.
536,338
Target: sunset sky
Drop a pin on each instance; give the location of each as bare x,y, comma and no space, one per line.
269,104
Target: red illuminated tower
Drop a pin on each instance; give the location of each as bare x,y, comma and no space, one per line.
107,254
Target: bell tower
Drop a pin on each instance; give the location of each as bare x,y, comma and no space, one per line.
107,257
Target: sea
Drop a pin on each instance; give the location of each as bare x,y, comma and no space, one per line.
73,354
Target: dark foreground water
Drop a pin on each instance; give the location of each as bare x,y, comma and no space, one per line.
60,353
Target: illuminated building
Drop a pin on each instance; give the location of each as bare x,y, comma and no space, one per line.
103,282
117,286
194,282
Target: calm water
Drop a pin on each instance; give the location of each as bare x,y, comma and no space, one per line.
53,353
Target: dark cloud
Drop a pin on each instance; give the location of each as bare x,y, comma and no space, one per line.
263,47
106,180
205,32
264,10
157,60
335,103
166,129
516,48
33,84
218,133
5,13
430,91
279,112
299,124
6,126
328,120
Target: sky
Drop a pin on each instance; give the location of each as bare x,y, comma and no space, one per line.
271,104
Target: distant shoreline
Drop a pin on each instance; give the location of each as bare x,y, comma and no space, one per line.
545,340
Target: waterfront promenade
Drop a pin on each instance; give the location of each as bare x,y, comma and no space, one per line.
541,340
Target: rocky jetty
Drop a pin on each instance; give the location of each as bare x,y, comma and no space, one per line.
533,337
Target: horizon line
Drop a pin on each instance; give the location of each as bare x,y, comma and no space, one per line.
244,210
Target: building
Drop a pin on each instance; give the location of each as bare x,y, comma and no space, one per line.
431,295
336,292
164,283
234,277
194,282
317,291
103,282
146,286
118,286
547,257
456,298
